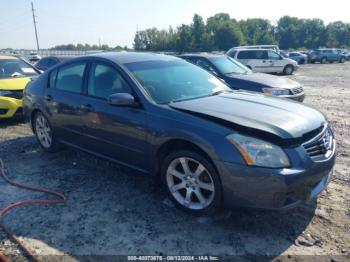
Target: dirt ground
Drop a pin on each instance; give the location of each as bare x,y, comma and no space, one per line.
115,211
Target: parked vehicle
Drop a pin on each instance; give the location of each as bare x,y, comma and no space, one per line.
283,53
264,61
34,57
162,115
348,53
49,61
268,47
14,75
298,57
345,53
238,76
326,55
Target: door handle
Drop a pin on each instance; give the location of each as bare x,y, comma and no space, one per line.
87,107
48,98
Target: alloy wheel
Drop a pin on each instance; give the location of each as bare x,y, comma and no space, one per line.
190,183
43,131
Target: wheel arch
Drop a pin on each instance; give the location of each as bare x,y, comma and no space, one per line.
176,144
31,117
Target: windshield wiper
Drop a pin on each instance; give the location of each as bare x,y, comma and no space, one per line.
218,92
16,74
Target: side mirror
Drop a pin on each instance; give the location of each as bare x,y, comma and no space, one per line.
122,99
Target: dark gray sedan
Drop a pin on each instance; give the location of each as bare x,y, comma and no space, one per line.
164,116
238,76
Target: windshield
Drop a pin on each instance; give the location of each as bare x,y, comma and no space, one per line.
15,68
227,65
175,80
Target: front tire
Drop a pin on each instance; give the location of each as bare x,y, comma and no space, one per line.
191,182
44,133
324,60
342,60
288,70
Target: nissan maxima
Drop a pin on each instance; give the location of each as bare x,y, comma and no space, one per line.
162,115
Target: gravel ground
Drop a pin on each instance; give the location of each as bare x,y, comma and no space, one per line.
115,211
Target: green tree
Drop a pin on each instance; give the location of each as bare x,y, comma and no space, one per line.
227,35
198,29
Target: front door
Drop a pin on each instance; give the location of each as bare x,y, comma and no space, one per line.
116,132
275,61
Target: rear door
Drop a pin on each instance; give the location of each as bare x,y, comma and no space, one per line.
63,101
259,61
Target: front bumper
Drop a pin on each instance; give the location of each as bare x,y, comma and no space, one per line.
10,107
256,187
296,67
297,97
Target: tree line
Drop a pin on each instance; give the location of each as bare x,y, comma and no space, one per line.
87,47
221,32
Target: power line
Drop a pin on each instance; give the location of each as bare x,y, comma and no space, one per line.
36,32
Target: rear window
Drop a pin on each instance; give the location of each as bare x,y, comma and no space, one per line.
254,54
246,55
70,78
52,79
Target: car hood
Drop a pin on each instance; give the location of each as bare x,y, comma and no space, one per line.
266,80
14,83
280,117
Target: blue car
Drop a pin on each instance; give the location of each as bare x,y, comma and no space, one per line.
160,115
298,57
238,76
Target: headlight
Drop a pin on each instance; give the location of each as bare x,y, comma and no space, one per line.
5,93
257,152
276,91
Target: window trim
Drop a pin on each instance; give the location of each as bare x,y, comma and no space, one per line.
49,79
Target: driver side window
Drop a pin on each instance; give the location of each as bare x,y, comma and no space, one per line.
104,81
273,55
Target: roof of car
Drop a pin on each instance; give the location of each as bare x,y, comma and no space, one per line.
204,55
59,57
253,49
132,57
2,57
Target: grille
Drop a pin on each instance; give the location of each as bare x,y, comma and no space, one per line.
297,90
18,94
320,147
3,111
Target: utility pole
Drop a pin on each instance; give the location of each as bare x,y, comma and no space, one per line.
36,32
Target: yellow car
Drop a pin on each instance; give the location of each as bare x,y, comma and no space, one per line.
15,73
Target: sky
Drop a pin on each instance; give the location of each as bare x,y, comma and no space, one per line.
114,22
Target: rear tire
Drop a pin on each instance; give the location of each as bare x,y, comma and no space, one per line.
324,60
288,70
191,182
44,133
